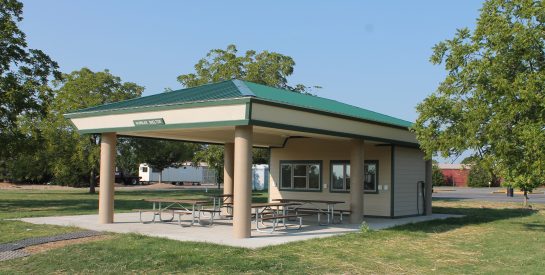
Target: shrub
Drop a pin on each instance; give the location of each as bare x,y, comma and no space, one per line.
364,228
478,177
437,177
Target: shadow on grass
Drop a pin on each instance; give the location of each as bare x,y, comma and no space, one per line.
472,216
535,226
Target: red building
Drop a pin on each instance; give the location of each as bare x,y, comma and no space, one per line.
455,174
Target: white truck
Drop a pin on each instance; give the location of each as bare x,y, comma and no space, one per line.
186,173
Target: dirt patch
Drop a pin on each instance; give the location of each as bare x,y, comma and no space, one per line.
165,186
54,245
14,186
150,186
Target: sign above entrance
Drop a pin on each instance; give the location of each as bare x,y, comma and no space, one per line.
147,122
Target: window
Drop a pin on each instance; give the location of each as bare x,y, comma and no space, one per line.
340,176
370,176
301,175
145,169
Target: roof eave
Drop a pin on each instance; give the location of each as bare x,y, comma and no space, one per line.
138,109
340,115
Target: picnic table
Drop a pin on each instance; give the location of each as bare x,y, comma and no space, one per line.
222,201
192,207
274,211
311,205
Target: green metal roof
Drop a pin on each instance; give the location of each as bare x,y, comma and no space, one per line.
208,92
231,89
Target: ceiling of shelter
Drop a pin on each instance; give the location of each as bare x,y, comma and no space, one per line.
263,137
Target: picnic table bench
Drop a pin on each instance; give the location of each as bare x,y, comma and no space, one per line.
276,213
339,212
312,207
180,207
222,201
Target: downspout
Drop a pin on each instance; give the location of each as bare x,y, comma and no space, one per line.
420,186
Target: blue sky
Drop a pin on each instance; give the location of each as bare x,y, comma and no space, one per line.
372,54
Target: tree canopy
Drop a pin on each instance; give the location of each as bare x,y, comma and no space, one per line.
267,68
73,156
24,75
492,101
437,176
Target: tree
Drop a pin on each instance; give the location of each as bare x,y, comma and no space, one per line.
260,155
492,100
213,156
478,177
268,68
28,161
162,154
482,173
72,156
24,77
437,176
127,159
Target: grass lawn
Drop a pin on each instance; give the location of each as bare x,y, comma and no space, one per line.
492,238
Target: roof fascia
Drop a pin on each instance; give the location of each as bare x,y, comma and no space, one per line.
167,126
162,107
310,110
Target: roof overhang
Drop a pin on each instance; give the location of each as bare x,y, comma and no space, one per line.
214,122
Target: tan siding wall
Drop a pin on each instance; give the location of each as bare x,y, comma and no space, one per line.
305,119
410,168
325,150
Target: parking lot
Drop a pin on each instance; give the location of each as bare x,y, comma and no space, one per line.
486,194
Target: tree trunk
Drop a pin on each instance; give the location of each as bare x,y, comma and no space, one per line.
525,198
161,176
92,182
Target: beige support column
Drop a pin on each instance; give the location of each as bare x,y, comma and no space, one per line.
356,181
429,187
243,182
107,178
228,169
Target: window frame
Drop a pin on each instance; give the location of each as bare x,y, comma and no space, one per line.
345,163
292,163
376,176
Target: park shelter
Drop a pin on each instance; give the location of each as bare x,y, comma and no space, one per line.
320,148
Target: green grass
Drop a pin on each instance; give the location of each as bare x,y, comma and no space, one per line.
17,230
492,238
40,203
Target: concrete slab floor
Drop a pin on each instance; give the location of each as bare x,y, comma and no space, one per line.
221,232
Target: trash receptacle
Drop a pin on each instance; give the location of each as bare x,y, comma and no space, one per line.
509,191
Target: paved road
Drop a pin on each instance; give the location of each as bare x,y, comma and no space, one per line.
485,194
